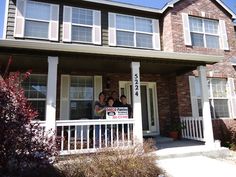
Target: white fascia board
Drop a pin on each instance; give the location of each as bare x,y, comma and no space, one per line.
169,4
125,5
5,20
227,9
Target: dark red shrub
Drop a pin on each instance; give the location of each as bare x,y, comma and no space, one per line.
23,144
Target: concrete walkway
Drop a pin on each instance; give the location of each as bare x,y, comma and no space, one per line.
188,158
197,166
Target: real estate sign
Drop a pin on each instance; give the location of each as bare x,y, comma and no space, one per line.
117,113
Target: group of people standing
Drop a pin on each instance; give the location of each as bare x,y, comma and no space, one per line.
100,112
112,101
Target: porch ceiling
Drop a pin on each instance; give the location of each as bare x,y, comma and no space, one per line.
74,58
73,64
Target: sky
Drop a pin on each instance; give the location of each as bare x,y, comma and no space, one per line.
148,3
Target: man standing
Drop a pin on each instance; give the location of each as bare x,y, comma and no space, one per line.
124,103
115,96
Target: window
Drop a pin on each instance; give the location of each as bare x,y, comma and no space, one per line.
134,31
36,91
218,98
82,25
37,20
81,97
204,32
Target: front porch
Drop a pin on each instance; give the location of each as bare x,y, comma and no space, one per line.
158,72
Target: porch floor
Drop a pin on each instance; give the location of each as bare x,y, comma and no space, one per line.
167,148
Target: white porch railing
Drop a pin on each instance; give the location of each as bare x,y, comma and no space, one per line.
193,128
85,136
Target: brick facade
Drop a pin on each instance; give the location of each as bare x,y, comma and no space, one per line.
173,41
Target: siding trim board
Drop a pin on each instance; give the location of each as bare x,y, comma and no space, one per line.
103,50
4,35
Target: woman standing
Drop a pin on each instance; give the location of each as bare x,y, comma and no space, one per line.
99,113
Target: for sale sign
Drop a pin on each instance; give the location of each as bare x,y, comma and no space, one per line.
117,113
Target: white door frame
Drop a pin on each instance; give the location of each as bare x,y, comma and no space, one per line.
126,86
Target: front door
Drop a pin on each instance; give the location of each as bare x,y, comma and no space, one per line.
148,102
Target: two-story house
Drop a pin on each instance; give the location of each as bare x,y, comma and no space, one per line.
171,63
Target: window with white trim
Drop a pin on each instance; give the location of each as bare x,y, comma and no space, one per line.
133,31
36,92
204,32
81,25
218,97
81,97
37,19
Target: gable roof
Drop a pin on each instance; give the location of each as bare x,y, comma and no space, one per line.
173,2
153,10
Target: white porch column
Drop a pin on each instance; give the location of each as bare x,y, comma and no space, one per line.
51,93
137,110
206,112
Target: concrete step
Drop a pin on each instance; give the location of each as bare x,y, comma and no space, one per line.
200,150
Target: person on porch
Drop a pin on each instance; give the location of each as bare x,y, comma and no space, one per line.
110,103
123,103
99,113
115,97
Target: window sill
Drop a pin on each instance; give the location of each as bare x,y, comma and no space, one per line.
34,38
203,48
81,42
132,47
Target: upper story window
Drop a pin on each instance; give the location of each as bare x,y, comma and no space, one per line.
205,33
36,20
131,31
81,25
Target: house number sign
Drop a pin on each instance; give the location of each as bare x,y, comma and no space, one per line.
136,84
